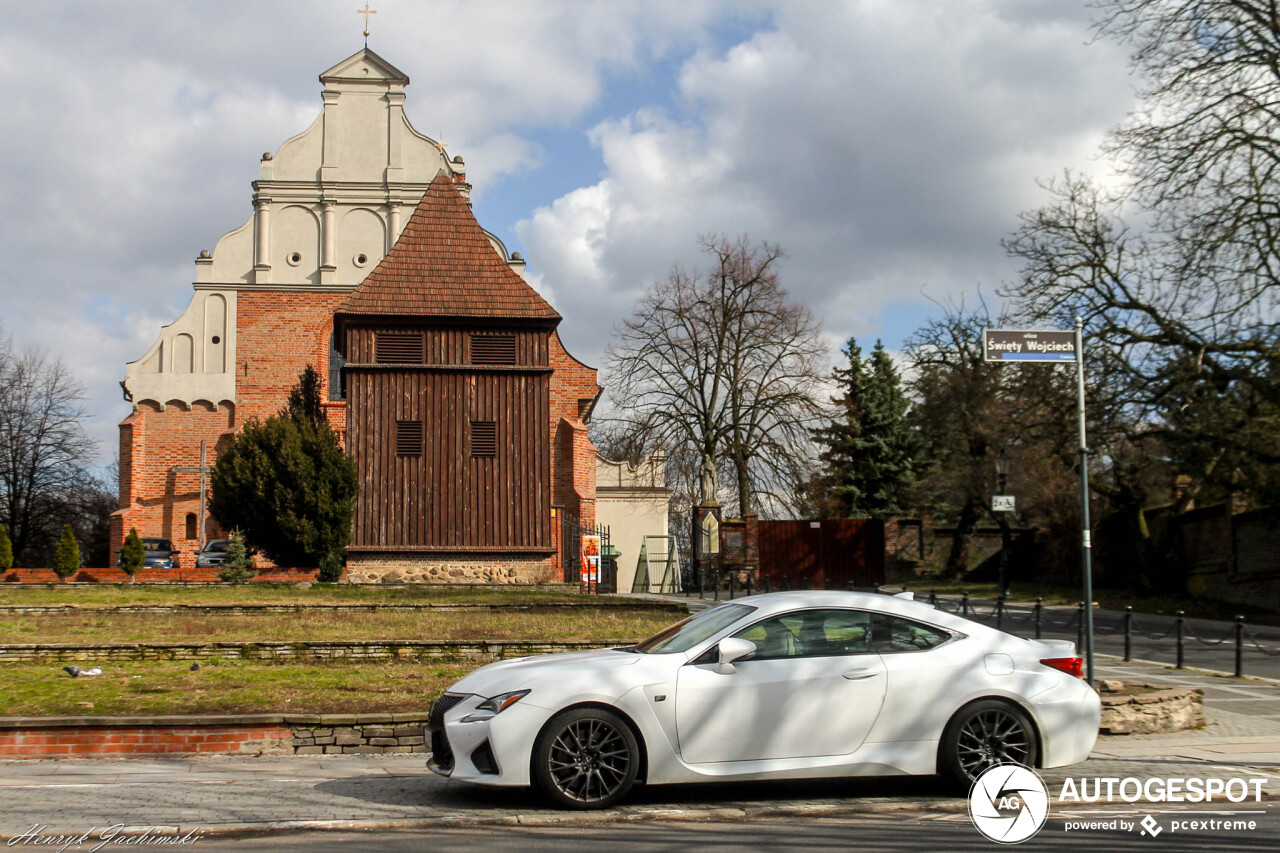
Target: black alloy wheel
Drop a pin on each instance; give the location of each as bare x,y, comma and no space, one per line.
984,734
586,758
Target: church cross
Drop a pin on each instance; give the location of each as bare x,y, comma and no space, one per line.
204,470
366,11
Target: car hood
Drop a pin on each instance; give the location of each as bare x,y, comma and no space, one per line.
592,667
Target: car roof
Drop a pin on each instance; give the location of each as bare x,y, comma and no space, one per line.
781,602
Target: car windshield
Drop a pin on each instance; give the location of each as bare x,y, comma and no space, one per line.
156,545
217,545
683,636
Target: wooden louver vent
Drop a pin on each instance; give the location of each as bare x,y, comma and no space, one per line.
484,439
493,349
399,348
408,438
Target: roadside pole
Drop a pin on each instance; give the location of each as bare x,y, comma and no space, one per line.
1049,346
1086,544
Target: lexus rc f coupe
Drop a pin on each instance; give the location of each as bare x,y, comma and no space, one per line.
785,686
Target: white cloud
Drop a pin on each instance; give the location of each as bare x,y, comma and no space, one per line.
886,145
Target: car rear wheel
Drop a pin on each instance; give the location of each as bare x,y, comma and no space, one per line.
983,734
586,758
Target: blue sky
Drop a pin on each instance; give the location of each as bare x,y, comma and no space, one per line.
887,145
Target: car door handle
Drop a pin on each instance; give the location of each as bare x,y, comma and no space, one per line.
859,674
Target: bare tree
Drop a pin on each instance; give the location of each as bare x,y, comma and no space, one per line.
1181,296
722,367
44,451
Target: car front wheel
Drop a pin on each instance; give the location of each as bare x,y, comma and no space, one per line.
983,734
586,758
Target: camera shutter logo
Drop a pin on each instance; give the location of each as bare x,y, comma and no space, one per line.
1008,803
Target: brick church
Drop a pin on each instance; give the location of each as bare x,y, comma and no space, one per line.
444,375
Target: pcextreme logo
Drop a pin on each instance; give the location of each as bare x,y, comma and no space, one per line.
1008,803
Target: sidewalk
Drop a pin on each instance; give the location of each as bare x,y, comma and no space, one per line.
239,794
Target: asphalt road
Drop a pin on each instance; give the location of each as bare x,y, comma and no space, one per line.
887,833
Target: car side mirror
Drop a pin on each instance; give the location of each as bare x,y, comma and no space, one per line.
732,649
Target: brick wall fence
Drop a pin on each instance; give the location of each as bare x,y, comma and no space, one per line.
179,575
250,734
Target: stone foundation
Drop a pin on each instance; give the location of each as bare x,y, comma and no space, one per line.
1139,709
391,568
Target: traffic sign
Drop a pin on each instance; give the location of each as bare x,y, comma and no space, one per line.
1028,345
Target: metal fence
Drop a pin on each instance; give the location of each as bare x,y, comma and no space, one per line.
1036,619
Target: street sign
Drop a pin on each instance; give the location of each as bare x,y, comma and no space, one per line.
1028,345
1002,503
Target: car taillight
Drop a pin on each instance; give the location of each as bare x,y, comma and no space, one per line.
1071,666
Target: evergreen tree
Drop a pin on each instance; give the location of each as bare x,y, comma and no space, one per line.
133,554
66,557
867,455
286,483
6,550
239,565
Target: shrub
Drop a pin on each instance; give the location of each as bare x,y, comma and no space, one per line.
330,568
239,565
66,557
6,550
133,554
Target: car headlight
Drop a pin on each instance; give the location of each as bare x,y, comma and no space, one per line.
494,705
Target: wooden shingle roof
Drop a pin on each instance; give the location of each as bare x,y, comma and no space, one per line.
443,265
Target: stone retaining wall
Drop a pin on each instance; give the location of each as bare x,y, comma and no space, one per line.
320,650
249,734
1157,708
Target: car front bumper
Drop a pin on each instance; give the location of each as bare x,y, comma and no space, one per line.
493,751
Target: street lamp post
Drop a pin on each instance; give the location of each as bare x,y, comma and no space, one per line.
1002,475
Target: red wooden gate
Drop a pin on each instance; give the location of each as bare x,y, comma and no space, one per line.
812,553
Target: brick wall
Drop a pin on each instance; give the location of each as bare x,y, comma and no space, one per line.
182,574
573,478
87,741
252,734
279,334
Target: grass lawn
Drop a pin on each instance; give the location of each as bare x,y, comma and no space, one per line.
229,687
548,624
1109,599
271,593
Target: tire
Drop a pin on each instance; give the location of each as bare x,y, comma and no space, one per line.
586,758
983,734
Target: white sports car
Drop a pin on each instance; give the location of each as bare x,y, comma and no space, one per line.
783,686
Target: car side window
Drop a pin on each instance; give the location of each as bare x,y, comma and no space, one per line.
896,634
810,633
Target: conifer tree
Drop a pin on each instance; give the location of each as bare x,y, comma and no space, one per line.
6,550
133,554
867,450
286,483
66,557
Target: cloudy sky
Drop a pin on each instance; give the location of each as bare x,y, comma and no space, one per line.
888,145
